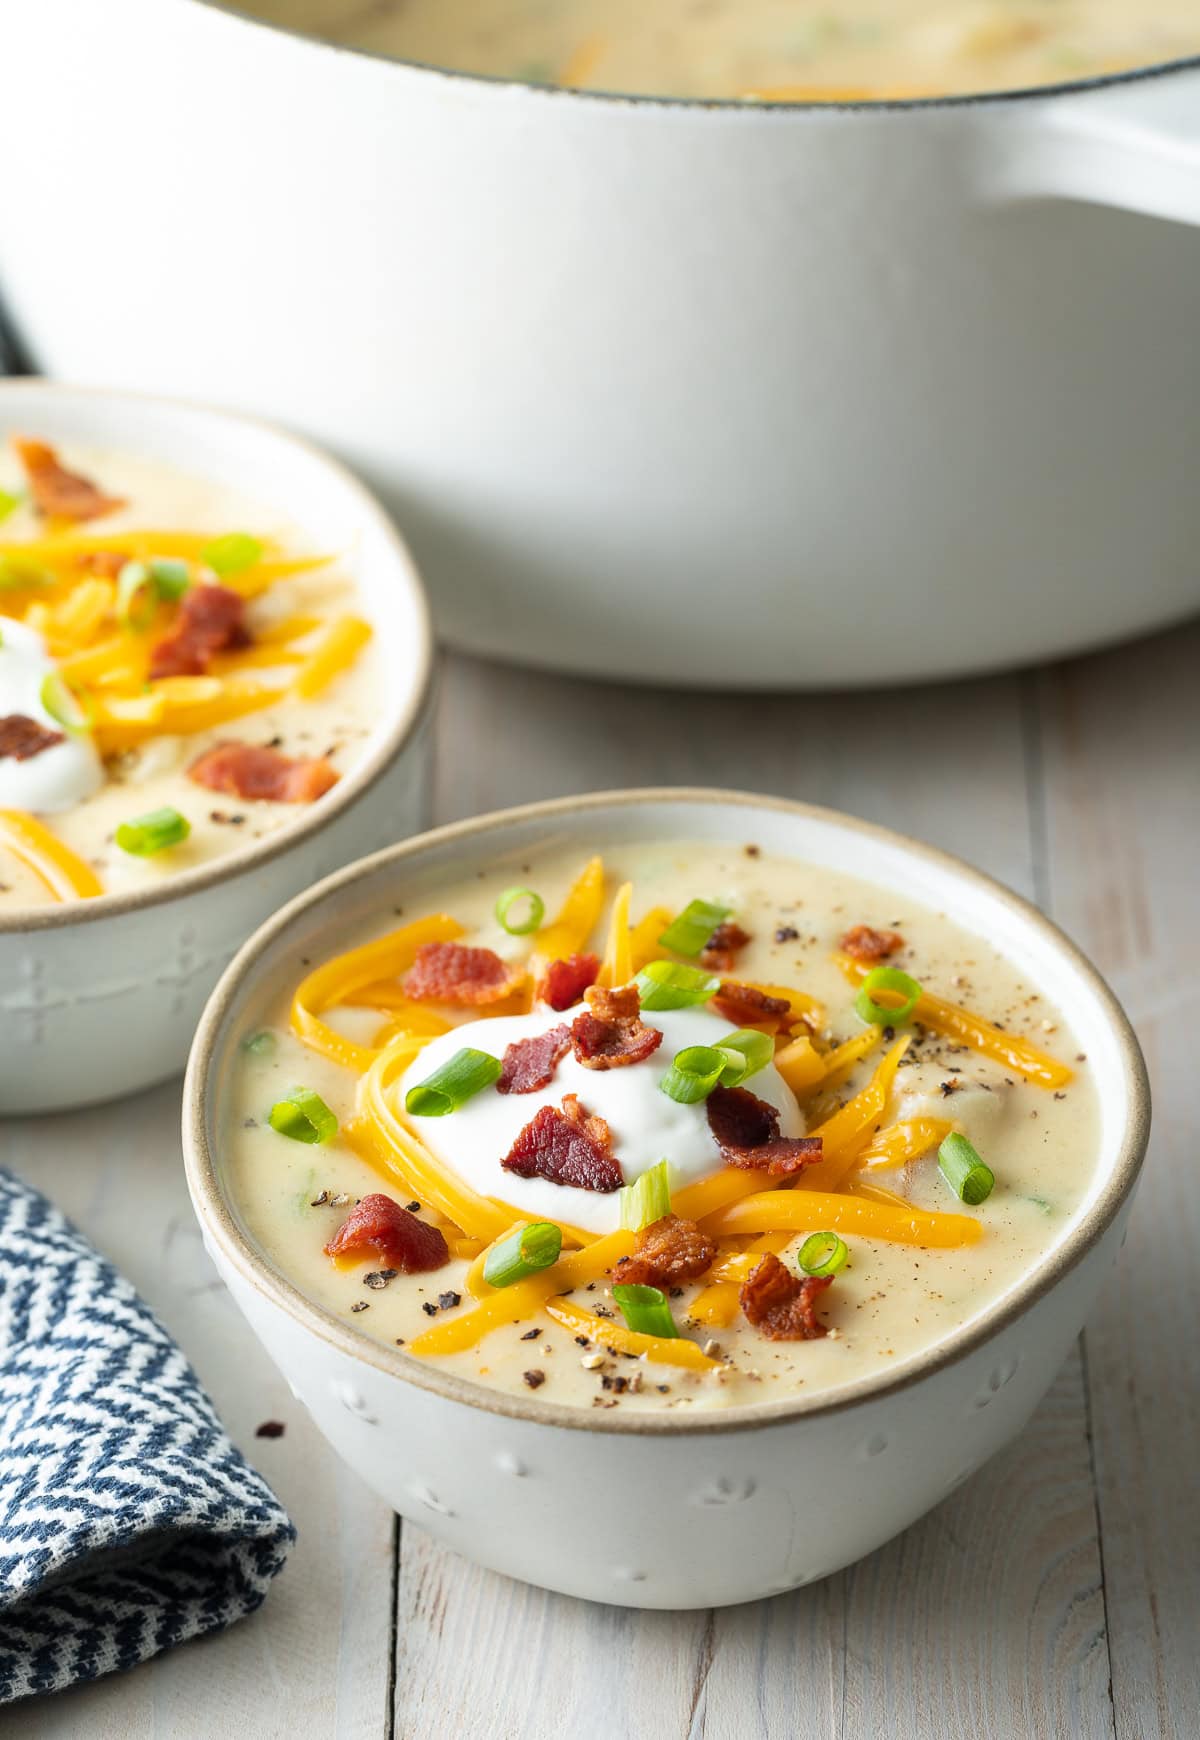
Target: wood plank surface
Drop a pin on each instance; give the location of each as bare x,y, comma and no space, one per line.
1070,1557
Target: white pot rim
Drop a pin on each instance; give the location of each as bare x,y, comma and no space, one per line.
349,789
220,1226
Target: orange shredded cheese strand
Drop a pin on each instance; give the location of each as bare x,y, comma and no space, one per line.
661,1349
843,1134
616,968
809,1210
801,1065
570,931
337,980
334,653
843,1059
643,938
900,1143
801,1004
61,870
953,1022
523,1299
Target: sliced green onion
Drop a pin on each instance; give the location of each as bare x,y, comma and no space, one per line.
523,1253
694,1073
533,916
140,586
885,1014
62,705
304,1116
262,1044
153,832
746,1052
232,554
647,1199
822,1253
687,934
645,1310
9,503
966,1174
670,985
15,574
136,596
459,1079
171,577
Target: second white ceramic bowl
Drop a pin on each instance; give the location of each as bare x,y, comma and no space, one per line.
100,997
665,1510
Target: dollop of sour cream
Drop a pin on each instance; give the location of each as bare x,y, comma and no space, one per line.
56,778
646,1124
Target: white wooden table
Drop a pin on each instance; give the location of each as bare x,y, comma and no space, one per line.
1057,1594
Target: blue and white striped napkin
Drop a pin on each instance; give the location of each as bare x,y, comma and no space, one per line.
128,1521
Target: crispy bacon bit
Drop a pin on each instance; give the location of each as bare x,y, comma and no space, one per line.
379,1226
782,1305
594,1127
610,1033
557,1147
58,493
669,1251
451,972
211,620
746,1130
529,1064
564,982
746,1006
866,944
720,951
21,738
254,771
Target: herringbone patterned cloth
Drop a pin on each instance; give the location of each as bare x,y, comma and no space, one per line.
128,1521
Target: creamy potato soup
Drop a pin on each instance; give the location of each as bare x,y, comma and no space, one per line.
685,1128
772,49
181,674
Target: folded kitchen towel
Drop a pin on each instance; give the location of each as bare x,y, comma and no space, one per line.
128,1521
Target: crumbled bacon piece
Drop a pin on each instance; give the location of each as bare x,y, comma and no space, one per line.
379,1226
21,738
564,982
720,951
211,620
559,1147
747,1006
529,1064
58,493
746,1130
255,771
667,1252
594,1127
782,1305
867,944
449,972
610,1033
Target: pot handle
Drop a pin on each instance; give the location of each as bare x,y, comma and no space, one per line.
1133,145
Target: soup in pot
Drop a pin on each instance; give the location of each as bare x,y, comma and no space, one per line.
688,1127
782,50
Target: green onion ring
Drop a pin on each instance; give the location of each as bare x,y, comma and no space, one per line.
747,1051
645,1310
971,1180
671,985
453,1083
142,836
883,1014
533,918
647,1199
63,705
232,554
526,1251
822,1253
687,934
695,1072
304,1116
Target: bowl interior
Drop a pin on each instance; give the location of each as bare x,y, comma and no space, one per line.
338,911
298,485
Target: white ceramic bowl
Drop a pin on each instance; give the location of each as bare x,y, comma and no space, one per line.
667,1511
100,997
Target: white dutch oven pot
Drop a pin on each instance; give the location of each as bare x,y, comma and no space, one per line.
710,393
